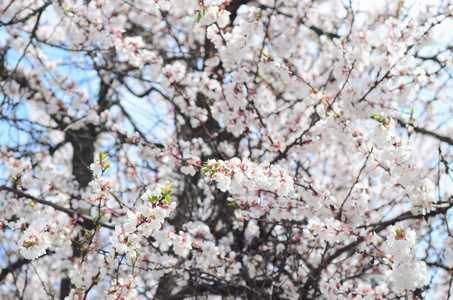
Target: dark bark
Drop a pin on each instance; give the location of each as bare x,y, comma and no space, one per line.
11,268
82,142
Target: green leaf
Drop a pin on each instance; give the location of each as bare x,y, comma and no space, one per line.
28,244
260,14
267,55
400,233
153,199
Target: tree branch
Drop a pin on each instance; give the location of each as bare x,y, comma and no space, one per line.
433,134
68,211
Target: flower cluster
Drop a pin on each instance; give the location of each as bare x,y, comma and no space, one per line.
43,235
395,164
408,273
34,243
246,180
330,230
143,220
240,177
